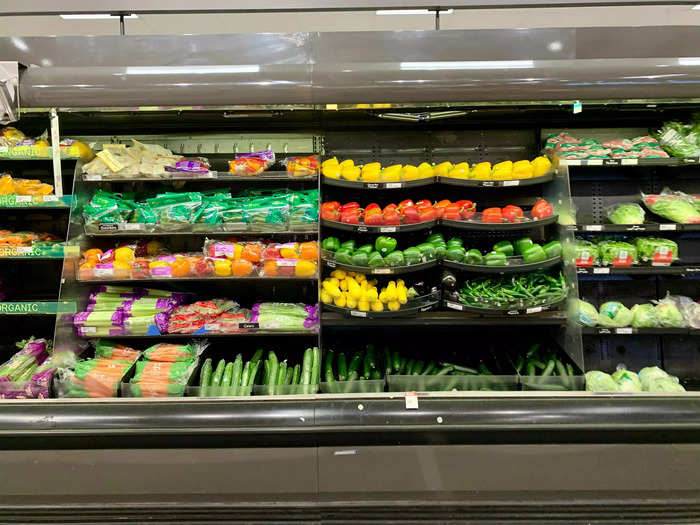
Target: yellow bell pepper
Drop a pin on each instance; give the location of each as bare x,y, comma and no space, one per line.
460,171
377,306
340,301
332,172
331,289
339,274
350,302
541,165
7,185
522,169
393,305
326,297
425,171
222,267
329,162
352,173
409,172
349,163
481,171
442,169
371,176
392,173
503,170
363,306
305,268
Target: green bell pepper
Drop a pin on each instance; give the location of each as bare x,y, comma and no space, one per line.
456,254
435,237
534,254
412,255
360,258
552,249
495,259
348,245
474,257
440,249
384,244
427,250
395,258
522,244
331,244
504,247
375,260
343,256
455,241
365,248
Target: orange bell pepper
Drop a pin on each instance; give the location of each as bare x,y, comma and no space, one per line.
308,250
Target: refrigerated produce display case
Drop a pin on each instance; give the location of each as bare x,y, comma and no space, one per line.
407,276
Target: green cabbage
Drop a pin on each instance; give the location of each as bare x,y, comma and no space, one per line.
585,313
668,314
626,213
583,249
674,207
611,250
648,246
649,374
645,316
627,381
678,140
614,315
597,381
665,384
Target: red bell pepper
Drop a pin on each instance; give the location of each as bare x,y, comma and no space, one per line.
329,211
542,209
373,216
453,212
389,207
349,206
440,207
492,215
392,217
372,206
423,203
427,214
405,204
513,213
410,215
351,216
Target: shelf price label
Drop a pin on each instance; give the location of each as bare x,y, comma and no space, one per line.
387,229
357,313
379,271
392,185
667,227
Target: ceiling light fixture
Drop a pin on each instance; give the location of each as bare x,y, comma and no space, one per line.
413,11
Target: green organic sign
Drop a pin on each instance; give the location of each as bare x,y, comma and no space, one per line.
38,308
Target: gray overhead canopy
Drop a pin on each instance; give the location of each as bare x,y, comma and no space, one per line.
327,68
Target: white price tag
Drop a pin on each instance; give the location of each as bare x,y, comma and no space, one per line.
572,162
511,183
533,310
667,227
392,185
595,162
411,400
623,331
50,198
371,185
92,177
89,329
629,162
387,229
132,226
357,313
593,228
382,271
487,184
23,198
601,270
454,306
212,327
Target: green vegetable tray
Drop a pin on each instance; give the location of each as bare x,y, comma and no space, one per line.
284,390
219,391
514,265
431,383
453,303
554,383
329,261
353,387
475,223
416,305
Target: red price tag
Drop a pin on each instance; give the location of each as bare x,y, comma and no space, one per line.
586,259
662,257
623,259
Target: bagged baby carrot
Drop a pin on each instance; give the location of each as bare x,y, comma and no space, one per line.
157,372
171,353
112,350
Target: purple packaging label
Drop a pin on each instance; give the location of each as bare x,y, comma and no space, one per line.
80,317
67,142
224,250
267,155
27,142
167,258
109,254
125,307
117,331
104,270
162,271
189,166
161,320
162,304
286,262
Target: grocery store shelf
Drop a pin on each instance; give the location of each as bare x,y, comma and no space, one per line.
510,268
379,229
599,330
247,333
624,228
396,270
529,223
156,280
471,183
507,312
209,176
448,318
378,185
638,270
408,310
121,231
616,163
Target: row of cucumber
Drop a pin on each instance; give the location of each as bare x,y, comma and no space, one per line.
538,366
229,379
278,374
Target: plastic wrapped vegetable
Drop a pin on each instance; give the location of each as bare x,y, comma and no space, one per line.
625,213
645,316
171,353
656,250
614,314
668,314
585,253
650,373
673,136
627,381
617,253
689,308
671,206
585,313
597,381
665,384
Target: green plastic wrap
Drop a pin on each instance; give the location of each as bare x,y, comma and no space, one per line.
673,206
617,253
626,213
644,316
614,314
651,248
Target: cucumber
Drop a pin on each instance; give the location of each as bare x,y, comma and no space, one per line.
402,366
396,362
369,350
445,370
266,374
205,377
428,369
226,379
342,367
547,370
328,368
289,375
519,364
316,372
274,369
245,377
375,374
367,364
307,366
561,370
409,366
217,376
254,367
257,356
281,374
387,362
417,368
296,374
354,368
235,383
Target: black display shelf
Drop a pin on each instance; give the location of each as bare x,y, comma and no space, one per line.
195,233
516,267
448,318
210,176
385,270
638,270
509,312
407,310
471,183
626,228
499,226
208,335
163,280
360,185
599,330
379,229
616,163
